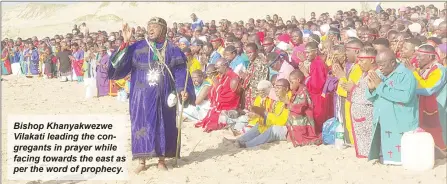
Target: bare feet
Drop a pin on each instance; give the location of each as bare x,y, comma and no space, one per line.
235,132
162,165
140,167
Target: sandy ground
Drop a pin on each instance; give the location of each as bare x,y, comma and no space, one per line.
206,158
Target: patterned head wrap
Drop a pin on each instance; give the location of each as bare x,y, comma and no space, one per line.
161,22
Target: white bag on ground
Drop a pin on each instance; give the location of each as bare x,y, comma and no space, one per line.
90,87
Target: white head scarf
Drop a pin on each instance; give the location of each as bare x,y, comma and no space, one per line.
203,38
414,16
415,28
324,28
265,86
437,22
351,33
283,46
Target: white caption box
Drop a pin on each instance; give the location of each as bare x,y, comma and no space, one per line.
110,142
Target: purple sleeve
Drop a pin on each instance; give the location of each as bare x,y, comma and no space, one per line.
325,87
333,82
330,85
123,62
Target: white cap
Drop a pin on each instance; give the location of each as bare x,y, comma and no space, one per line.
203,38
283,46
437,22
317,33
264,85
415,28
112,38
324,28
414,16
351,33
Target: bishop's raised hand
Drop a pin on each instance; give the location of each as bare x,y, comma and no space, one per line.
127,32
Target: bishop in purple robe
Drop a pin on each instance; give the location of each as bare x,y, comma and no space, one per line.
151,63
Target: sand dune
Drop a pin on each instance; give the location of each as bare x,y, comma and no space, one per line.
44,19
205,157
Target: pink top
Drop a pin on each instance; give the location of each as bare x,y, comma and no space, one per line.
285,71
296,50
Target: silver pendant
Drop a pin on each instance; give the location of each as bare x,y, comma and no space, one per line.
153,77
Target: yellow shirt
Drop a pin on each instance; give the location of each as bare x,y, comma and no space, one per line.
194,65
323,38
433,79
329,62
277,116
220,50
354,76
121,83
209,80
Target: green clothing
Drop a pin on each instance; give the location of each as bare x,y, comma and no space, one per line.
245,57
395,112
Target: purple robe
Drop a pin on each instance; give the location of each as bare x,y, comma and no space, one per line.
33,60
102,80
330,86
154,130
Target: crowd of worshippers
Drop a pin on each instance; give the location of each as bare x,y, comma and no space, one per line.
379,73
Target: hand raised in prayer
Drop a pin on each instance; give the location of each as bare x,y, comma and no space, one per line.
409,65
348,86
303,69
370,83
375,79
301,56
338,71
127,33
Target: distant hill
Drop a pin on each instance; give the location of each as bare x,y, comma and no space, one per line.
33,11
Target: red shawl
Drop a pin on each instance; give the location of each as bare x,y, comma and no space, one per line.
222,97
285,38
322,108
7,63
261,36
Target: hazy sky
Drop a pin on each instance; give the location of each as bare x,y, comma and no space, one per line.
49,2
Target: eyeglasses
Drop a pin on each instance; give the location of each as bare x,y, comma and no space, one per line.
280,87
